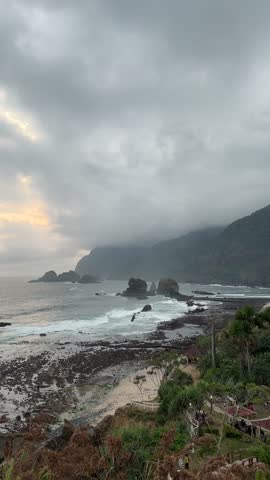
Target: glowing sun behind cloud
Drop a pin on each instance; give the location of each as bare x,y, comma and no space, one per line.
21,125
27,225
28,214
20,122
31,210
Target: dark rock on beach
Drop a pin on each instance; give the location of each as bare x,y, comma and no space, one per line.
179,296
202,292
4,324
198,310
179,322
147,308
137,288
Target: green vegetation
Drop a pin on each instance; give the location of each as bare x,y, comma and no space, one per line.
242,353
147,445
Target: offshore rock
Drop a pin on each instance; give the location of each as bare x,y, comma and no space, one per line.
137,288
50,276
147,308
167,286
70,276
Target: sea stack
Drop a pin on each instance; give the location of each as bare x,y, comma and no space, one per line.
167,286
137,288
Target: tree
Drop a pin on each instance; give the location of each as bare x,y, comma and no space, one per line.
162,366
241,329
187,397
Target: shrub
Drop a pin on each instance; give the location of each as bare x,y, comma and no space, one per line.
141,443
262,452
261,369
167,392
181,378
211,431
231,432
185,397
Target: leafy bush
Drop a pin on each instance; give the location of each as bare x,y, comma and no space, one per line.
260,475
262,342
167,392
184,398
182,435
141,415
227,371
231,432
206,450
181,378
211,431
141,442
262,452
261,369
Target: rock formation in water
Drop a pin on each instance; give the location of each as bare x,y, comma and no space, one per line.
147,308
166,286
169,287
137,288
70,276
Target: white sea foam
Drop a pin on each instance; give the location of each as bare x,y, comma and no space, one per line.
116,321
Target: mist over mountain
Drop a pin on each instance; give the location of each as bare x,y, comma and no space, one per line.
236,254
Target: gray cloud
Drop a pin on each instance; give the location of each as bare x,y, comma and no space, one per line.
152,118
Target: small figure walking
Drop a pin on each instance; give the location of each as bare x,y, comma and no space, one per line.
186,461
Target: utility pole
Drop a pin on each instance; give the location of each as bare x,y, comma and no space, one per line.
213,342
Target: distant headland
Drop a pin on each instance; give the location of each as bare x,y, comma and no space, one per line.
71,276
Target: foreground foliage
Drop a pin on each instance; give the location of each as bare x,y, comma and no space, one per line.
141,445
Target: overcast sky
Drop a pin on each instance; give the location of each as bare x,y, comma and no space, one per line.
127,121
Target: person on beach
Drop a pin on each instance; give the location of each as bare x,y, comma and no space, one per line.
186,462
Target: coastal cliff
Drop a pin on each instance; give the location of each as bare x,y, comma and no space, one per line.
237,254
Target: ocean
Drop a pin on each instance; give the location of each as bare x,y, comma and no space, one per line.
65,309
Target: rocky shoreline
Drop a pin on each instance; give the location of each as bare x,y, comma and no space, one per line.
55,380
